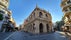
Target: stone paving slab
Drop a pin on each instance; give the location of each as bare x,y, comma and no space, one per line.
24,36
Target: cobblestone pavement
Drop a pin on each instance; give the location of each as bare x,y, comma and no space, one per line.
3,35
27,36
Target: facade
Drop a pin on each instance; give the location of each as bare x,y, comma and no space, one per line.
5,16
13,21
66,8
39,21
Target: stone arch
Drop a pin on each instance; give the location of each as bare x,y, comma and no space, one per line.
40,28
40,14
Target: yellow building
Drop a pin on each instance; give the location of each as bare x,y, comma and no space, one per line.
13,21
4,3
39,21
66,8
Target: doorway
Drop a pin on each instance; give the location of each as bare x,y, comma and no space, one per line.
41,28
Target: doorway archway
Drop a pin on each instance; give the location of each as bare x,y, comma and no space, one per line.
41,28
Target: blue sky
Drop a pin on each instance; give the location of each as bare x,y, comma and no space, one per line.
21,9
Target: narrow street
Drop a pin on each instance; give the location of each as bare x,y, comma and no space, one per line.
19,35
4,35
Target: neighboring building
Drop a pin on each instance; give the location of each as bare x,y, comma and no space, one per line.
5,16
20,27
13,21
40,21
66,8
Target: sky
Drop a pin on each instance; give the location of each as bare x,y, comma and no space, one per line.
21,9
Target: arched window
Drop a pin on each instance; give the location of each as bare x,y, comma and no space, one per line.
34,14
40,14
46,15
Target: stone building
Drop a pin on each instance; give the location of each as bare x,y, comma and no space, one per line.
66,8
5,15
39,21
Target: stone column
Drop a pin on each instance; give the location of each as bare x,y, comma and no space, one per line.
36,27
44,28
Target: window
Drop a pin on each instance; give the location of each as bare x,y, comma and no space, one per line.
40,14
66,10
34,14
7,17
1,12
64,3
46,15
33,24
68,1
70,8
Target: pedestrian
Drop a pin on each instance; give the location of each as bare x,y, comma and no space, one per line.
55,29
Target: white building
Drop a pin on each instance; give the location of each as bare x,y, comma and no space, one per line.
5,14
39,21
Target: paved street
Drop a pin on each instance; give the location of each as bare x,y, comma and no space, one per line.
4,35
27,36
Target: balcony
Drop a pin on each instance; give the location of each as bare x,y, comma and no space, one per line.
67,5
67,13
7,17
69,20
63,4
5,4
67,24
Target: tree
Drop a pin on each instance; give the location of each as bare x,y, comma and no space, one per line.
59,24
1,17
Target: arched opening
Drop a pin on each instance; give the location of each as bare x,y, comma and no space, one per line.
47,26
41,28
40,14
